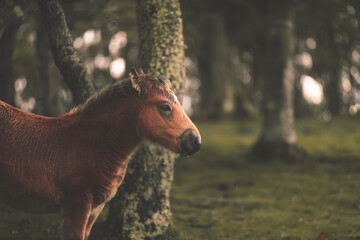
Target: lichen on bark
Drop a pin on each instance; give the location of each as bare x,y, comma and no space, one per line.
161,40
66,59
141,209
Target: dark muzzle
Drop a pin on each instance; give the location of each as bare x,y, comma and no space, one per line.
190,143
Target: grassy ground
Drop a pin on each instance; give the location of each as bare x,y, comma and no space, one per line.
218,194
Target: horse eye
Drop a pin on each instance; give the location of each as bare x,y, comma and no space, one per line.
165,108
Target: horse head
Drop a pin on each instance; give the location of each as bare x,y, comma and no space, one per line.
161,118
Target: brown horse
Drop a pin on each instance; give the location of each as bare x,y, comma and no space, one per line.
75,163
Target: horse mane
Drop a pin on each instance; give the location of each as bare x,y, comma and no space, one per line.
121,90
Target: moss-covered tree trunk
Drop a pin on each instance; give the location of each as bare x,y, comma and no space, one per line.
141,209
66,59
278,136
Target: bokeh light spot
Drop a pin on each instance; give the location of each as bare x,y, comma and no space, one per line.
312,90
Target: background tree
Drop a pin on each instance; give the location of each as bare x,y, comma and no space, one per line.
214,62
333,34
11,16
7,41
278,134
141,209
43,56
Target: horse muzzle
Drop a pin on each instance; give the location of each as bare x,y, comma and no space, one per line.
190,143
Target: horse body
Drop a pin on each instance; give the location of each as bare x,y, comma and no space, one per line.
22,176
75,163
44,158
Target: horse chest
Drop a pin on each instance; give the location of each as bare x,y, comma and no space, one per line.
116,184
112,193
111,190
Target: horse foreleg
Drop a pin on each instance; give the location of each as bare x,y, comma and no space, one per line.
75,213
93,216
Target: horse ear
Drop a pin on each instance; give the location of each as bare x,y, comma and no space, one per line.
135,79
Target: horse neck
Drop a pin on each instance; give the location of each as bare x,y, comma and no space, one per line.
114,123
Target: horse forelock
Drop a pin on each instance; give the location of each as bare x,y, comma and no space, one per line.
155,85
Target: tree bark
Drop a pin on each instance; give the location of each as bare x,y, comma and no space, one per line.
7,42
278,136
141,209
66,59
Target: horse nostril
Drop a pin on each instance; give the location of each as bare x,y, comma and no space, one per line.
190,143
197,143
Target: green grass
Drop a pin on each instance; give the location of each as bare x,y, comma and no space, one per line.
219,194
339,138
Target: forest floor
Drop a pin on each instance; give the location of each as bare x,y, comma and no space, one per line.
220,194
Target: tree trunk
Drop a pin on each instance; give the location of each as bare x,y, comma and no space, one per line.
244,105
278,136
213,66
141,209
328,62
332,92
7,42
332,79
43,59
66,59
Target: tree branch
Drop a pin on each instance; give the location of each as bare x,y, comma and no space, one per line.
66,59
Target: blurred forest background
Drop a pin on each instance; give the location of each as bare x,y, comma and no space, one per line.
226,44
273,85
